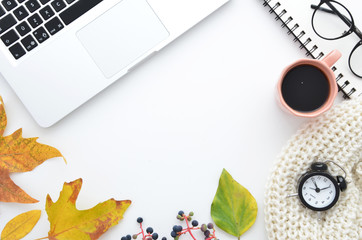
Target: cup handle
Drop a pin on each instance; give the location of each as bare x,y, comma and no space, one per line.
332,58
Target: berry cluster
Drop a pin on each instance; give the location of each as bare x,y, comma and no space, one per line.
149,235
178,230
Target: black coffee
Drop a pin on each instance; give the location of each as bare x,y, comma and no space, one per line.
305,88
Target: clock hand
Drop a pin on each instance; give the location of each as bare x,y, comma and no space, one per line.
317,190
315,184
325,188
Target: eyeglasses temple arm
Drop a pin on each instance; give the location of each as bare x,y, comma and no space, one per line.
358,32
322,9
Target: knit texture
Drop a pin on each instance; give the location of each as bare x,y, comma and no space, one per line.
336,136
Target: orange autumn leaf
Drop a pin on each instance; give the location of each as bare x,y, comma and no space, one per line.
18,154
69,223
3,120
10,192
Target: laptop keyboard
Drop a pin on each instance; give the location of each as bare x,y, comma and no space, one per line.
24,24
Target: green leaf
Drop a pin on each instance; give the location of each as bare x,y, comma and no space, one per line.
234,209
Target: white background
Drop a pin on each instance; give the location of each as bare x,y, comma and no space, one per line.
162,135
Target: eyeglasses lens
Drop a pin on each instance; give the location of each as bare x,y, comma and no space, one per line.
331,20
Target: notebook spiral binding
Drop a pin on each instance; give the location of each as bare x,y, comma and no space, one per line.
293,29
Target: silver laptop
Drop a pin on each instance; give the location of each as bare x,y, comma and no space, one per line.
57,54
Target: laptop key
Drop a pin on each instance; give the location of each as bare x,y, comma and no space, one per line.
9,37
58,5
20,13
2,11
77,9
32,5
9,4
6,22
54,26
29,43
46,12
69,1
41,35
35,20
17,51
23,28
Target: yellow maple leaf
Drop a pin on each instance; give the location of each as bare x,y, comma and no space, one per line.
18,154
69,223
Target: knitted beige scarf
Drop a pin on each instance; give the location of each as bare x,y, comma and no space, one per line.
336,136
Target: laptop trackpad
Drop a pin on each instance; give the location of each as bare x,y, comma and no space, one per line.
121,35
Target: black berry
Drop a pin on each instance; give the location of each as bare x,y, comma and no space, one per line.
195,223
128,237
154,236
149,230
173,234
123,238
164,238
139,220
181,213
210,226
207,233
177,228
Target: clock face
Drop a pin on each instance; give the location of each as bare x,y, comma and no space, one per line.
318,191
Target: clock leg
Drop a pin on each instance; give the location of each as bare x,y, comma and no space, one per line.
319,216
292,195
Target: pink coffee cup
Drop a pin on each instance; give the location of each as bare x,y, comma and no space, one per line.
308,88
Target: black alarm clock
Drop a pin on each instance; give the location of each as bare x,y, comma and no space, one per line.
318,190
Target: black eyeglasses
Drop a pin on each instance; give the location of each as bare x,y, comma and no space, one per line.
331,21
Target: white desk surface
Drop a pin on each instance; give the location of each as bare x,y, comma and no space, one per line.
162,135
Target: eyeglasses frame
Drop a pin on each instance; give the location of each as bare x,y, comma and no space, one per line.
350,23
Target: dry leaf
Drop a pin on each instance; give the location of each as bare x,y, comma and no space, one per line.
10,192
67,222
3,120
18,154
21,225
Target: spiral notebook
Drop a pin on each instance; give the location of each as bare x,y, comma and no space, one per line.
295,16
